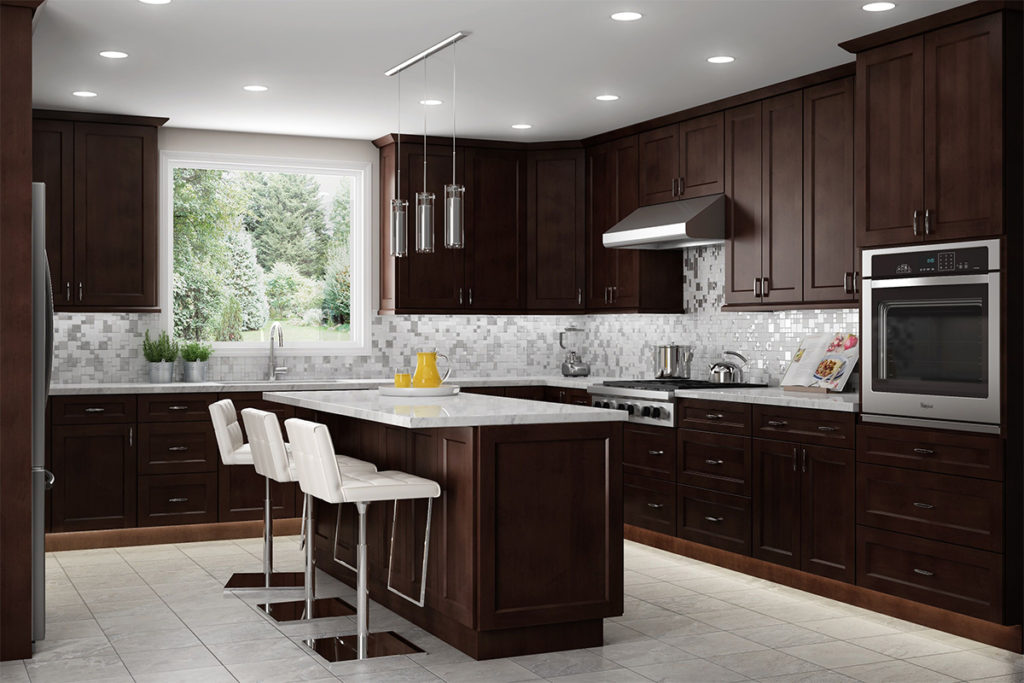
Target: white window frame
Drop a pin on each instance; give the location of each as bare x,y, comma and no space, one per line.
361,243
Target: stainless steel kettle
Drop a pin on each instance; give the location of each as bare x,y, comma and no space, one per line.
727,372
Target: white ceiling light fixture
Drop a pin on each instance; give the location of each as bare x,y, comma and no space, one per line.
721,59
606,98
84,93
879,6
522,126
431,102
155,2
113,54
627,16
255,88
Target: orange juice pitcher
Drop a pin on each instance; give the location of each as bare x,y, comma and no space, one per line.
426,375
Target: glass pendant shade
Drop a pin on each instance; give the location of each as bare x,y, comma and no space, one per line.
454,228
399,227
425,222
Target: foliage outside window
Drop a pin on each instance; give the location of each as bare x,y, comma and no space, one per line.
254,247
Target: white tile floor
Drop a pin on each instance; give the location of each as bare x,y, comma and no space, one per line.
157,614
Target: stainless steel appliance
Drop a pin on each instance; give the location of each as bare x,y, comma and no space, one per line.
573,365
931,347
671,225
649,401
42,363
727,372
672,360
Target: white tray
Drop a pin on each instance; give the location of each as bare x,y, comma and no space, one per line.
413,392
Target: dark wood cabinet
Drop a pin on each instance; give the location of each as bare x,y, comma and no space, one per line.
53,163
177,499
776,518
714,461
782,199
712,518
649,451
556,230
95,477
659,165
961,453
649,503
682,160
743,187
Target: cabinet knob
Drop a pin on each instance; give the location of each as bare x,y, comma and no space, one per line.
716,520
924,506
927,221
79,291
177,407
95,410
655,452
924,572
924,451
655,506
470,291
847,287
177,500
178,448
579,296
826,428
915,222
675,187
777,423
710,461
67,291
764,286
714,416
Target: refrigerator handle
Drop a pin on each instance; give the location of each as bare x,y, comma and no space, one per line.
49,327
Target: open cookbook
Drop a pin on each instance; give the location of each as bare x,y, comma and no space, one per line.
823,362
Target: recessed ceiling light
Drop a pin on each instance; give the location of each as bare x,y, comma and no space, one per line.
113,54
431,103
627,16
522,126
879,6
155,2
254,88
607,98
721,59
84,93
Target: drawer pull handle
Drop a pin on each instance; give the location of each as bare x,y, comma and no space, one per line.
178,448
924,451
655,452
177,407
716,520
709,461
655,506
924,506
714,416
777,423
924,572
177,500
826,428
95,410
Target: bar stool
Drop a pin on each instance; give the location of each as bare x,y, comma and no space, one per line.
320,476
271,458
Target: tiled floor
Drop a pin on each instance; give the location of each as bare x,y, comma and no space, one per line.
157,613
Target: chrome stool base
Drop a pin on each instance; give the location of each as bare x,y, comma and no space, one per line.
344,648
257,581
295,610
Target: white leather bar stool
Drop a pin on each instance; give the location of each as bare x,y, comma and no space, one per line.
320,476
271,458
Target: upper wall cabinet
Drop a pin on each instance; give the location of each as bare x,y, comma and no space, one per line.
682,160
929,136
101,208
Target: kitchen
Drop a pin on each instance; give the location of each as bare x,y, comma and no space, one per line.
868,189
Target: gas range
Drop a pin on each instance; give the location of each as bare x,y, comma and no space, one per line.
650,401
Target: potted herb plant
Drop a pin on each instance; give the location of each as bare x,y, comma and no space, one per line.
161,355
195,354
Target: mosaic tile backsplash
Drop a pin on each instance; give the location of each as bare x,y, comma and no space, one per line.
107,347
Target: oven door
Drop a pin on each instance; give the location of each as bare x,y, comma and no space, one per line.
931,349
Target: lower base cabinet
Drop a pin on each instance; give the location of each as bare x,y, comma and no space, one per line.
717,519
177,499
649,503
95,476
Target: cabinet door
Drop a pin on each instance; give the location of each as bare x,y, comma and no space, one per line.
777,502
495,229
701,167
428,281
828,526
963,129
94,477
743,213
115,216
829,258
889,140
782,198
556,232
659,165
613,274
53,156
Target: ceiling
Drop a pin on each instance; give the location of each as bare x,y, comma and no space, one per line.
526,61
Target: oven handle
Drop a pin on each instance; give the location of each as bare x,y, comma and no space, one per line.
978,279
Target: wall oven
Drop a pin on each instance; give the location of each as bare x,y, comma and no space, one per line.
931,347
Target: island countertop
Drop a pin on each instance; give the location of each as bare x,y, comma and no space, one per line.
460,410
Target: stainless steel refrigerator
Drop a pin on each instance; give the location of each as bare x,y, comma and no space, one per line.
42,364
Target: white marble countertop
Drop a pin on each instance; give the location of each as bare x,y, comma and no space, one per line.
846,402
460,410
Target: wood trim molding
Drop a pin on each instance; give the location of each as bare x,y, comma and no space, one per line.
1006,637
91,117
929,23
814,305
185,533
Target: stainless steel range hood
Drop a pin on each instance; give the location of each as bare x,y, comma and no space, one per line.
673,225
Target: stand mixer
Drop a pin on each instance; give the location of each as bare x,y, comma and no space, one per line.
573,366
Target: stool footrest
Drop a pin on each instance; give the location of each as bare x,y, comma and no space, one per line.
295,610
344,648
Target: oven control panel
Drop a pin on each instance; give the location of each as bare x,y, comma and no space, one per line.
659,413
944,261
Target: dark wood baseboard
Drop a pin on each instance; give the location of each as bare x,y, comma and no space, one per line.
998,635
155,535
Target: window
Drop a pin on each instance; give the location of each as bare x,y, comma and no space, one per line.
257,242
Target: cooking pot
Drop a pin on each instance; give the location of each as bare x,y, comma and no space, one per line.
727,372
672,360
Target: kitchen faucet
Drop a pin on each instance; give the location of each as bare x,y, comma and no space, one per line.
275,369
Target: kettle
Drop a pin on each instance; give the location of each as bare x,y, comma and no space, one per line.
727,372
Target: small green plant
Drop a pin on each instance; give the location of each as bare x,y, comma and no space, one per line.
163,349
196,351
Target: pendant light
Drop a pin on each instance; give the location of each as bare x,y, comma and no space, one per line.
399,206
424,199
454,195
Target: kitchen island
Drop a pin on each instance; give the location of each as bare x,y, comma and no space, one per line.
526,539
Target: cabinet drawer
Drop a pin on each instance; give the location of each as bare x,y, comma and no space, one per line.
937,506
649,451
823,427
948,576
973,455
175,407
177,499
177,448
714,416
717,519
714,461
80,410
649,503
526,393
